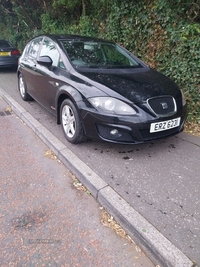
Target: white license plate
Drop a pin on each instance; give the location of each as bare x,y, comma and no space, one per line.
164,125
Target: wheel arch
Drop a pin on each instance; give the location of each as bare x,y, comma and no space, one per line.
70,93
19,71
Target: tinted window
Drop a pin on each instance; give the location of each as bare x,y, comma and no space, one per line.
34,47
98,54
115,56
49,49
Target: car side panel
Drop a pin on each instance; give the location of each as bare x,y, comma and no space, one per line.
48,86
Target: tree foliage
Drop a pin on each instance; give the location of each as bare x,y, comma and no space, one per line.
165,34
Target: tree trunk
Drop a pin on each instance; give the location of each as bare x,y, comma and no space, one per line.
84,8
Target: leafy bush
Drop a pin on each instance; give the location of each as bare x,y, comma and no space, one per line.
161,34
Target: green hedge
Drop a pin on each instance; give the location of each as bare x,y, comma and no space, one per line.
165,39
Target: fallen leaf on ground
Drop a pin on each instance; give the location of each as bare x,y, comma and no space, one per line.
108,220
50,154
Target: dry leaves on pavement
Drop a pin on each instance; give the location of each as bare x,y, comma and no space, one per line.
108,220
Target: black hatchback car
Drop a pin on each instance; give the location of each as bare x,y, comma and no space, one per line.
99,90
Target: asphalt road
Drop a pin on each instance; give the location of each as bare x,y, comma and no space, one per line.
160,179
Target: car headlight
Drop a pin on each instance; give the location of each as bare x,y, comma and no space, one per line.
112,105
183,99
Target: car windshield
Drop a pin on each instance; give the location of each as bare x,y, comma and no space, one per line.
4,44
98,55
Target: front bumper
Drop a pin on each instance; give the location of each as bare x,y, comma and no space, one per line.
128,129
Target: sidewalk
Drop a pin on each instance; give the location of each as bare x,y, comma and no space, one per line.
45,220
155,245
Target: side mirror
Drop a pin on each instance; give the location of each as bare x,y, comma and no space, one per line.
45,61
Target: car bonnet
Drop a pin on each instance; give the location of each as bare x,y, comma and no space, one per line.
136,86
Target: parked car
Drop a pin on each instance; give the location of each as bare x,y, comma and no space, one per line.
9,54
99,90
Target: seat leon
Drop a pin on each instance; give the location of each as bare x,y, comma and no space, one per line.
99,90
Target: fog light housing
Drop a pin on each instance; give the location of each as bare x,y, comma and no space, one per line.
115,132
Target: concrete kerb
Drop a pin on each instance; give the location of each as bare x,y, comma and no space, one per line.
159,249
18,109
152,242
83,173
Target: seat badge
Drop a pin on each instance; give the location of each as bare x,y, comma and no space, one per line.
164,105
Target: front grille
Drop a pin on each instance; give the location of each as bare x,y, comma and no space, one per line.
162,106
122,136
146,135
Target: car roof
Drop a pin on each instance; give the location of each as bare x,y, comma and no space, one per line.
74,37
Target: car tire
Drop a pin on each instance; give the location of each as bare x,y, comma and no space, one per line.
71,123
22,89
